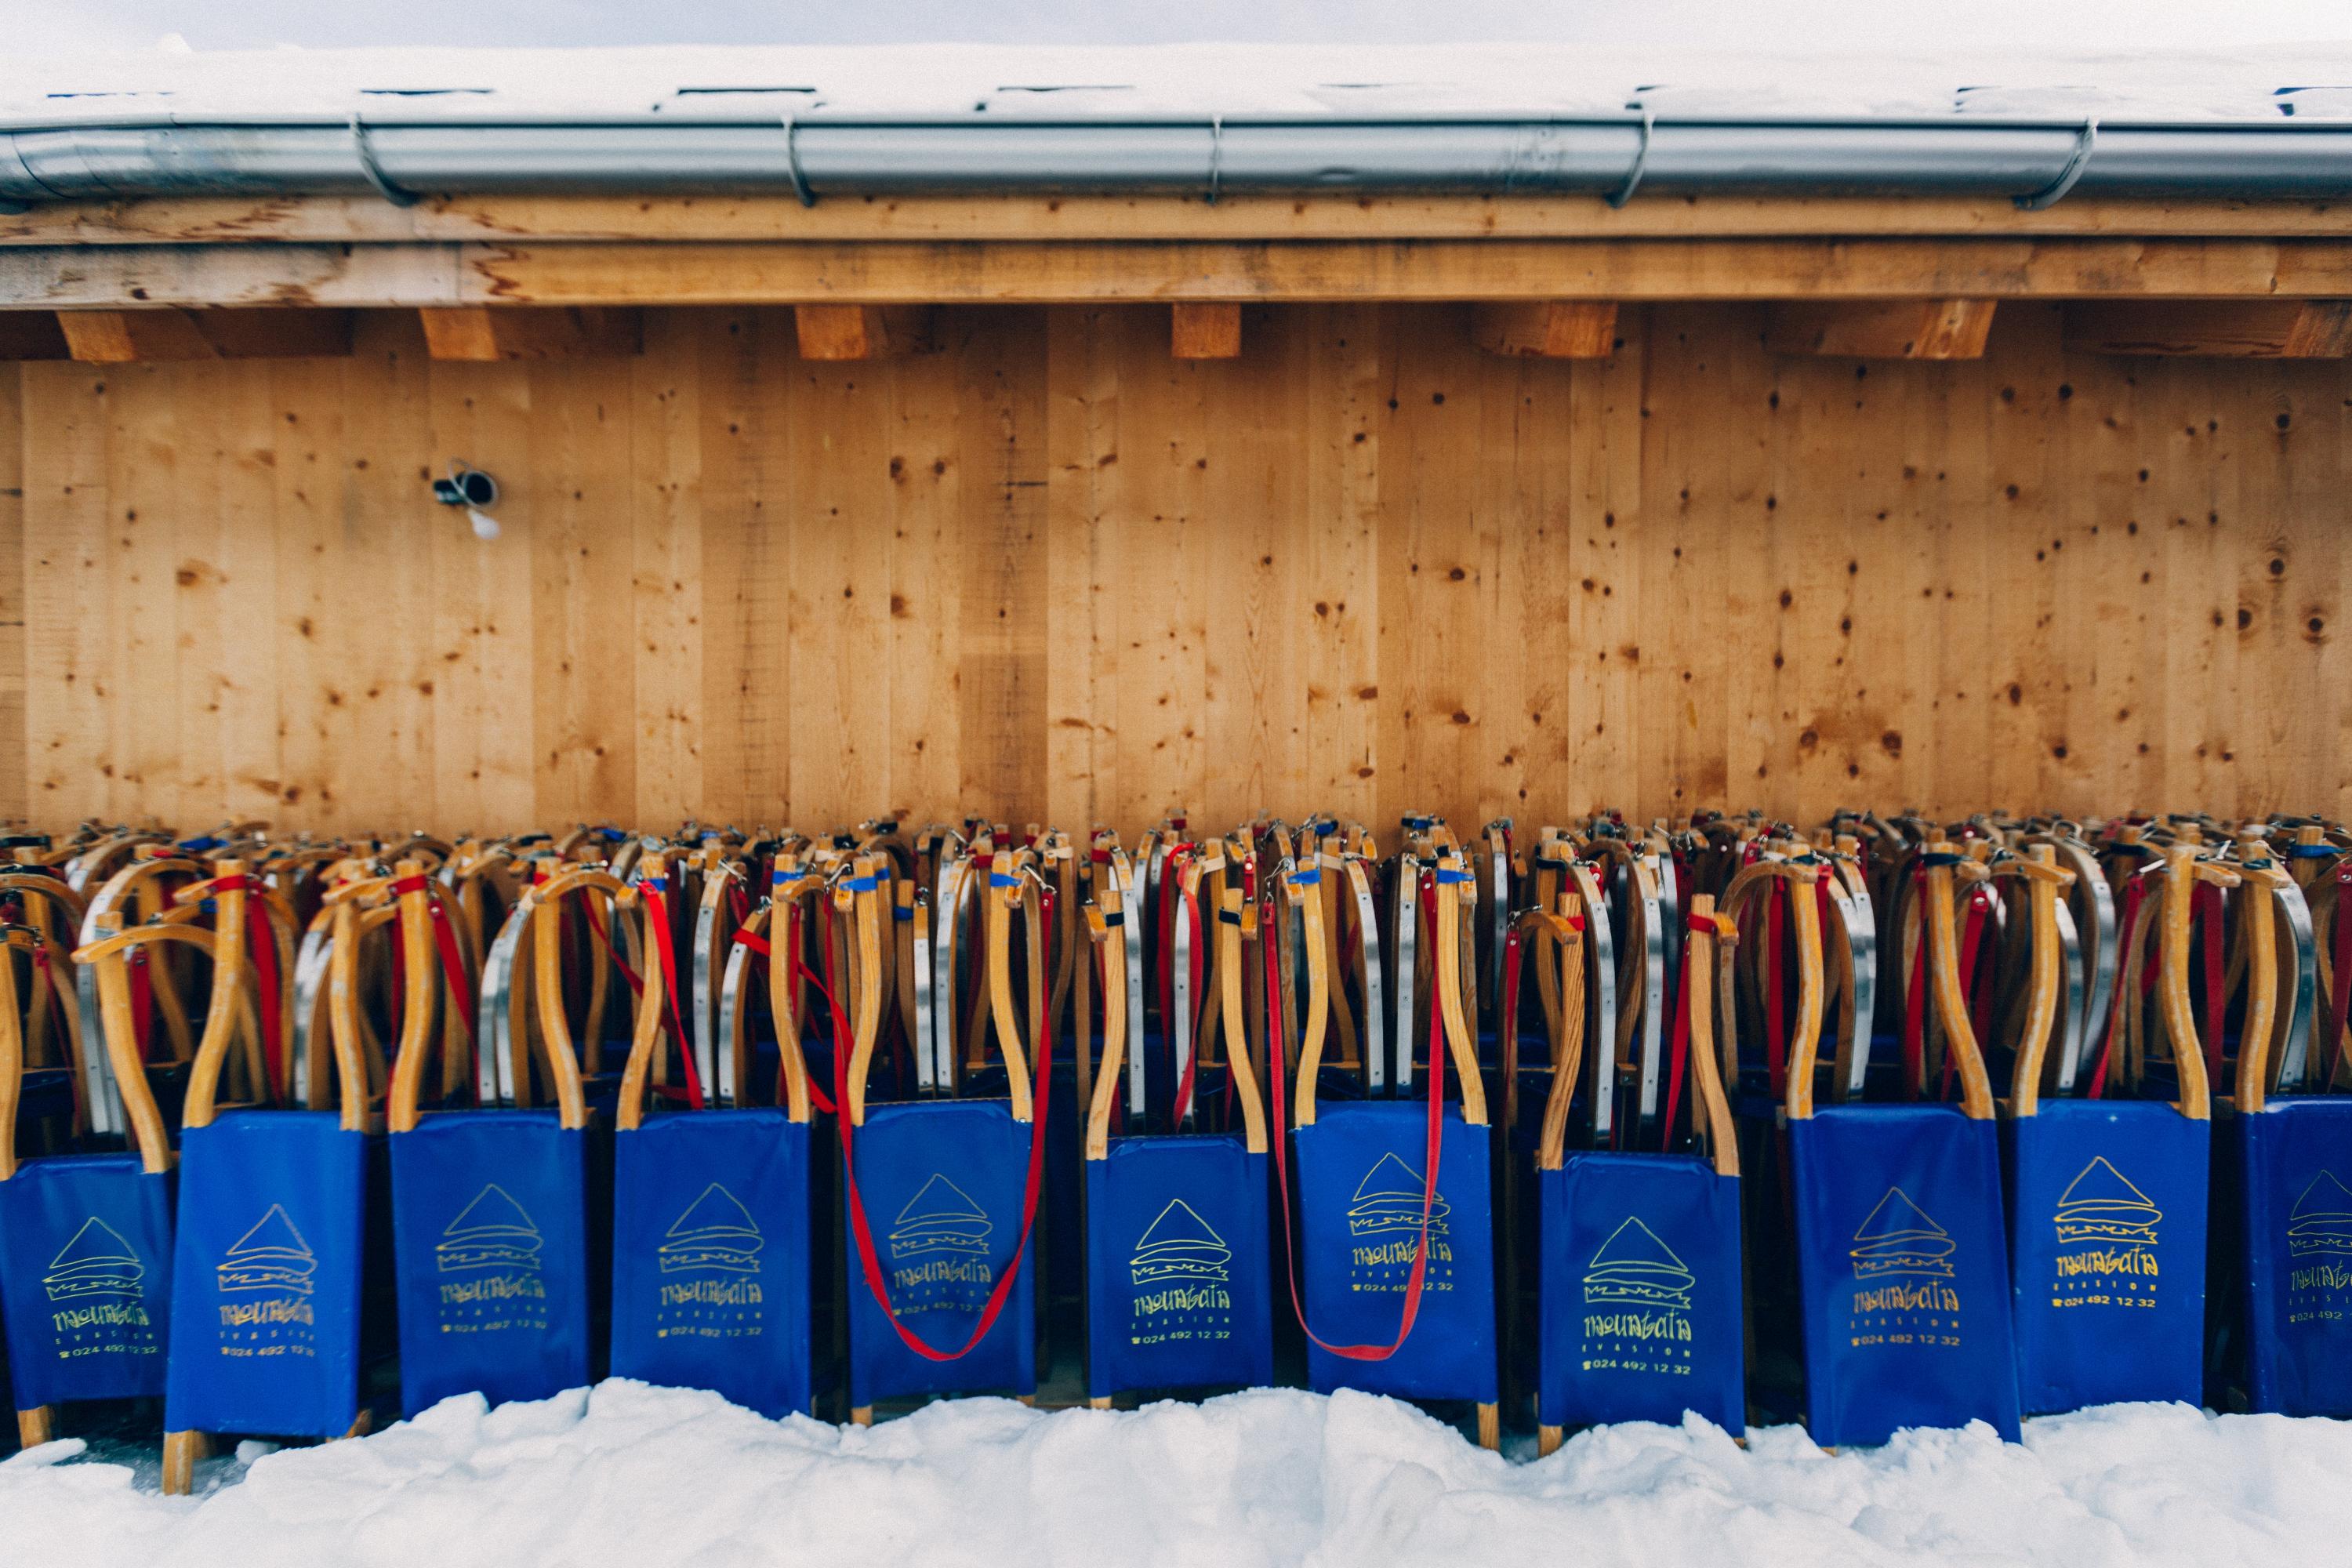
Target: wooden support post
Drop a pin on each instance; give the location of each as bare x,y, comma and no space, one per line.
1888,329
1205,331
2246,329
31,334
860,331
483,333
1547,329
125,337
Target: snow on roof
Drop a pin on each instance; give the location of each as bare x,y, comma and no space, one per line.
2259,85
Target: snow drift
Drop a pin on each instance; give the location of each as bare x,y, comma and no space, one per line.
636,1477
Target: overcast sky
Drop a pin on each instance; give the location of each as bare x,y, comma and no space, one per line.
2040,26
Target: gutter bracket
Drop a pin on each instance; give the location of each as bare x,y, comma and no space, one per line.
2051,195
1624,193
793,162
373,170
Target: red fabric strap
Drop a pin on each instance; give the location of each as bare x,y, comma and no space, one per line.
1041,1093
605,939
2208,920
657,899
2340,1003
261,937
444,942
2134,894
1775,1029
1416,1281
1915,1022
1681,1051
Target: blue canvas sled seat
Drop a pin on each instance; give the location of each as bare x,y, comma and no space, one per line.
1178,1294
488,1204
85,1230
2285,1168
2106,1180
711,1201
267,1259
1639,1299
941,1194
1901,1264
1395,1235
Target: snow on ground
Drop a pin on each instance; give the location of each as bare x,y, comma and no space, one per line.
642,1478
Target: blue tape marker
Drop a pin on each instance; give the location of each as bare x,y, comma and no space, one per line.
999,879
862,884
1444,875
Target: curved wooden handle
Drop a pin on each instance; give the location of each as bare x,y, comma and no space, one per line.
1722,1140
556,1047
1108,942
227,986
1566,1016
1455,888
786,889
1301,890
2257,1064
1805,933
1005,890
420,974
1950,994
2045,878
2181,879
122,1057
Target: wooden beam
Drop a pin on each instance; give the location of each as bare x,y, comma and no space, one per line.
31,334
1015,272
860,331
1548,329
2244,329
520,331
366,219
125,337
1212,331
1891,329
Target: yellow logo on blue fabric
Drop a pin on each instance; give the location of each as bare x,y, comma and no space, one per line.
1179,1244
98,1261
939,1217
493,1246
2106,1253
1388,1198
713,1254
272,1256
491,1232
1898,1238
270,1261
1637,1299
2101,1206
1180,1276
1384,1226
716,1232
2321,1221
1633,1268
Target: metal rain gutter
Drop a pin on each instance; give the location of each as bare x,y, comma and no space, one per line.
2032,161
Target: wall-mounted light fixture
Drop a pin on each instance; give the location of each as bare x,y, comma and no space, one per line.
475,491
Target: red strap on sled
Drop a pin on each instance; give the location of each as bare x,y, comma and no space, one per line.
2340,1003
1679,1060
142,1001
260,940
1915,1022
444,942
1414,1282
2208,920
1776,1027
2135,894
1971,934
1042,1085
657,899
817,1091
605,939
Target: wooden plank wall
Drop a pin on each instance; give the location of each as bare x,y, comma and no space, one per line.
1048,572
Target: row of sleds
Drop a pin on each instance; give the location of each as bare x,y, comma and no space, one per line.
1891,1124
